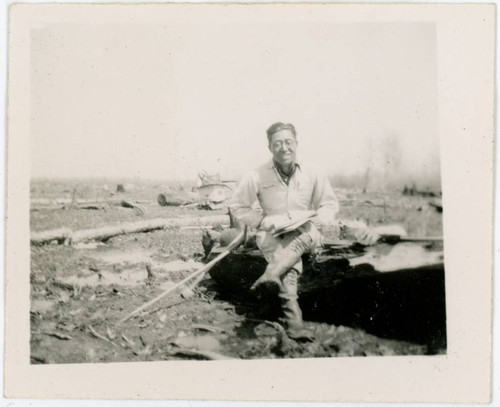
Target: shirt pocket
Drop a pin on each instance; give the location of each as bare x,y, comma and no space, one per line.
272,197
304,194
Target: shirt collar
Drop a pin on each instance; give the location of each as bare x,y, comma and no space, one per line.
297,164
285,177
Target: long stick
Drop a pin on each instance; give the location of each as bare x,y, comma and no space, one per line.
235,243
392,239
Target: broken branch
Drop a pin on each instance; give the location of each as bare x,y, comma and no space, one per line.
208,355
94,333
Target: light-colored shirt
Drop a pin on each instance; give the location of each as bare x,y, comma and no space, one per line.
285,176
308,189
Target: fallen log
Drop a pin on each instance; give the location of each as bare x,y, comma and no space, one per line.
59,235
92,206
66,203
107,232
407,303
177,199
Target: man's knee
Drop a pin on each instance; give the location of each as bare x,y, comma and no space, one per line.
304,242
299,245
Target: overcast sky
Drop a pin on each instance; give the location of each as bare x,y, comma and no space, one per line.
167,101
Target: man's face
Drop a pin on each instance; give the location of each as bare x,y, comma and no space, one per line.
283,147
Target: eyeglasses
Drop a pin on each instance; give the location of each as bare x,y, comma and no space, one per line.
279,144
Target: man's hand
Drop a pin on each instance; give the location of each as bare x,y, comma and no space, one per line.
273,222
317,221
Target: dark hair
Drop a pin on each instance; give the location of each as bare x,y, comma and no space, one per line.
278,127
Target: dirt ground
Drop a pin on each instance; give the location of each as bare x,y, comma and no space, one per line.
79,293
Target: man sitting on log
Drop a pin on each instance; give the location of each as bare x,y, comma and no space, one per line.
288,192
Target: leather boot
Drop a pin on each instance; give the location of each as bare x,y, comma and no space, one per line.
288,257
292,314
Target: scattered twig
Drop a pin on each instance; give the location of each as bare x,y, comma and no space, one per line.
284,342
94,333
190,205
208,355
138,208
61,284
208,297
146,351
110,333
129,342
59,335
39,359
154,310
207,328
77,290
151,275
174,304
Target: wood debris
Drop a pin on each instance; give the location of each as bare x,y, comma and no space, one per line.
59,335
94,333
208,355
207,328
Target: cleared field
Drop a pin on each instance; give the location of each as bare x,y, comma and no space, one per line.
80,292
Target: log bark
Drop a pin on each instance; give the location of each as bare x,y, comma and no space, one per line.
177,198
59,235
106,232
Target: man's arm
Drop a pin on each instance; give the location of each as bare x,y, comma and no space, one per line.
324,200
242,201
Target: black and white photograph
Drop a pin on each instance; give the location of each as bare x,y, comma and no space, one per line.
234,183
